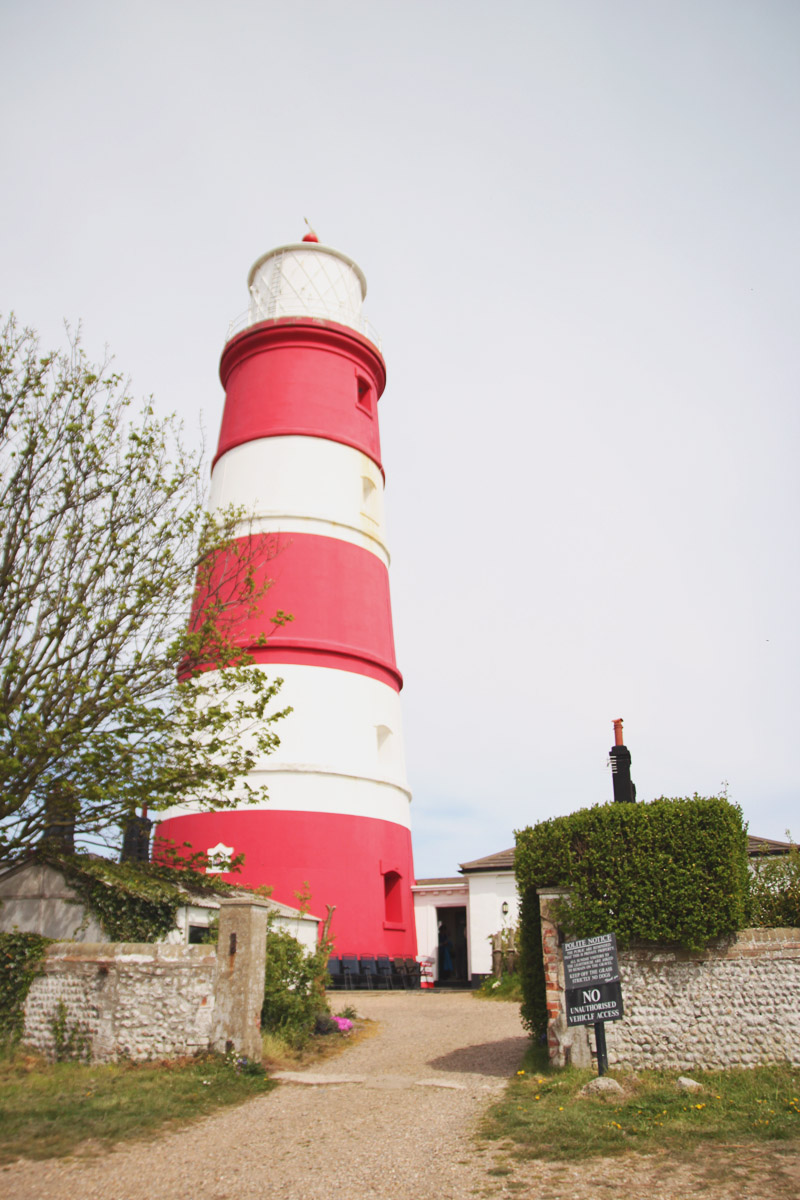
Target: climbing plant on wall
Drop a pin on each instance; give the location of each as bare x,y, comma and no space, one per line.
134,901
21,956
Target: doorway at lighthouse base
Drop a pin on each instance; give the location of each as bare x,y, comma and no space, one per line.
361,866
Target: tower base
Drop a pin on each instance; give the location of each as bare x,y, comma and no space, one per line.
361,865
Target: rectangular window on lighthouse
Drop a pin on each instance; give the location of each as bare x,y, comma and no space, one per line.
364,395
393,898
369,499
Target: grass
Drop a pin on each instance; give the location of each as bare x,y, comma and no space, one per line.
47,1109
284,1053
543,1116
508,987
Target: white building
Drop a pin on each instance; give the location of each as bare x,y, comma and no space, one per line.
457,915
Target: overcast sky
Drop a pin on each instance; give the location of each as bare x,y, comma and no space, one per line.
579,224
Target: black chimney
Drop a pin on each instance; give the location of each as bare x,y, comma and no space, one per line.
136,838
624,790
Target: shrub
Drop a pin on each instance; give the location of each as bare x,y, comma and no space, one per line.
775,890
294,995
530,963
325,1023
669,871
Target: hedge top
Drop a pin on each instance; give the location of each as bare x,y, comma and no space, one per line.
668,871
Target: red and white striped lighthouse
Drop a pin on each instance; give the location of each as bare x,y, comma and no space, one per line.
299,451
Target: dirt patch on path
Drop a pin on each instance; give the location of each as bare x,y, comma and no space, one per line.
709,1173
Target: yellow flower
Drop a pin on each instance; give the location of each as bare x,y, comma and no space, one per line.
520,1072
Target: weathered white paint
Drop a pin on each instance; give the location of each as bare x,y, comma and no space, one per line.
203,911
298,484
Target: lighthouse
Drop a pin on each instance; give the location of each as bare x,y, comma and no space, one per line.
299,455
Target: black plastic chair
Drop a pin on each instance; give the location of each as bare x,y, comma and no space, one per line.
414,973
369,967
399,972
353,977
384,965
335,972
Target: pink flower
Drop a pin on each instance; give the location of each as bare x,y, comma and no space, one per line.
344,1025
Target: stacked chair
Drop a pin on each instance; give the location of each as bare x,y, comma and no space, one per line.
335,972
384,964
376,977
413,973
354,977
350,973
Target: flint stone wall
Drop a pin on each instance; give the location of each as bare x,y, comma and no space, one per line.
122,1000
734,1004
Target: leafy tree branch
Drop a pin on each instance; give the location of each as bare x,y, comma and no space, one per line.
107,699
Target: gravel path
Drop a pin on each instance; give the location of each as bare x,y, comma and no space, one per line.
400,1129
393,1118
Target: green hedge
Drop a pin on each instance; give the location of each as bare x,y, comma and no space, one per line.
669,871
530,965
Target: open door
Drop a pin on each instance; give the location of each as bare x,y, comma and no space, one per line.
452,951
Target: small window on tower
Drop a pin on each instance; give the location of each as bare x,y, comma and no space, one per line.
393,898
384,735
364,394
369,498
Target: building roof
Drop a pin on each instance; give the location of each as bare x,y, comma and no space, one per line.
502,861
441,881
757,845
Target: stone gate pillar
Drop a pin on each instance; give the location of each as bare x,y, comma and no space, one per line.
566,1045
239,980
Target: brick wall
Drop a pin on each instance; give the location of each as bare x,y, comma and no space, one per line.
734,1004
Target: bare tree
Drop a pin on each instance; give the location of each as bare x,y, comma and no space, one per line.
106,700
